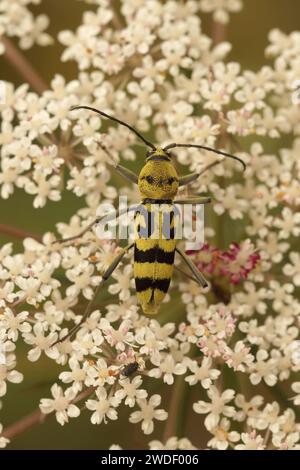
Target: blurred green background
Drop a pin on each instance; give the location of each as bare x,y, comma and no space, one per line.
248,31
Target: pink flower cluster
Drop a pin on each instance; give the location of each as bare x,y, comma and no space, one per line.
236,263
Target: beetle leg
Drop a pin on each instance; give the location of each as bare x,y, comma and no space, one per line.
198,275
189,276
108,217
128,174
105,277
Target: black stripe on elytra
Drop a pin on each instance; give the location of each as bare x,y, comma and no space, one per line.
148,216
167,230
144,283
153,254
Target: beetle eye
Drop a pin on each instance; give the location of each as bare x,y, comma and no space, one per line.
171,180
149,179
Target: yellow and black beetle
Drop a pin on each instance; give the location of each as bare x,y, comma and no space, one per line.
158,183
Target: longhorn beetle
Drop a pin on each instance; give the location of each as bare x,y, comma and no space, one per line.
158,184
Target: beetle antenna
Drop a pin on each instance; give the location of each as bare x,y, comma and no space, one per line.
219,152
149,144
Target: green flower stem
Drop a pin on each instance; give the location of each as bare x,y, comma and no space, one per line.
37,417
18,233
177,408
23,66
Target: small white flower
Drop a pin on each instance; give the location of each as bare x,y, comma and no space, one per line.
251,441
203,373
13,324
223,437
148,413
293,269
124,284
288,224
130,391
296,388
248,409
81,276
99,373
239,358
166,367
18,20
61,404
76,376
268,418
103,408
7,294
216,408
7,370
280,294
117,338
39,341
263,368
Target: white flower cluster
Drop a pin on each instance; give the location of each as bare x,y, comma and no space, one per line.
16,20
151,65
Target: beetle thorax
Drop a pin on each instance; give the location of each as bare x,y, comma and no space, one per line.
158,179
